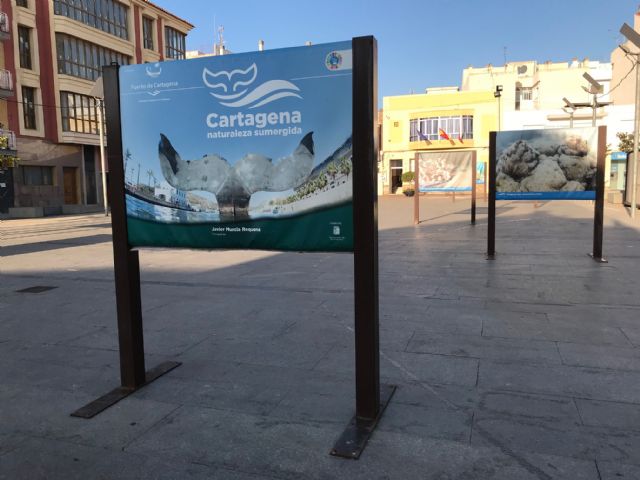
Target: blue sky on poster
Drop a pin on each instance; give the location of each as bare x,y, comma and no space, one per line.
421,43
173,99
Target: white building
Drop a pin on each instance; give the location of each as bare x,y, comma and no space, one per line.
532,96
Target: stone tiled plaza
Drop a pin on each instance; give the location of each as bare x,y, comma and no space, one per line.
525,367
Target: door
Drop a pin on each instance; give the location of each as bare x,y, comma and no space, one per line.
6,190
396,175
70,185
90,174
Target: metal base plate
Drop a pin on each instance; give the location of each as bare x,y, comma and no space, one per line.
598,259
90,410
355,437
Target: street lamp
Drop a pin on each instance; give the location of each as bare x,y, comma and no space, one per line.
97,92
633,36
594,89
497,94
569,108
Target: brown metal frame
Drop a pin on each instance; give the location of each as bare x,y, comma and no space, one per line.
371,400
474,189
598,217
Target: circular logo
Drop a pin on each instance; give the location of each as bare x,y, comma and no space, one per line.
333,61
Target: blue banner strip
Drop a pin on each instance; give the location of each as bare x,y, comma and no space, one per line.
587,195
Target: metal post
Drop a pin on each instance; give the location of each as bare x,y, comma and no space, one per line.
491,224
126,264
100,106
598,217
126,269
370,403
571,119
474,178
633,174
365,227
484,175
595,109
416,187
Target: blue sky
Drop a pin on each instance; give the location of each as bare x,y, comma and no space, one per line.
421,43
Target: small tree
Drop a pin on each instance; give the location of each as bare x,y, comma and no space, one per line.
626,142
407,177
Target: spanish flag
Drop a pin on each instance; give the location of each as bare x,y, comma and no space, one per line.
443,134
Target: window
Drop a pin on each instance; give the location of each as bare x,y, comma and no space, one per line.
22,3
37,175
28,107
24,46
456,127
527,93
175,43
147,32
107,15
84,59
467,127
79,113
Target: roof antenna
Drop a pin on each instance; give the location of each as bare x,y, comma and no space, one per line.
504,53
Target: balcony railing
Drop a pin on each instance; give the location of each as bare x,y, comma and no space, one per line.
6,83
7,140
4,26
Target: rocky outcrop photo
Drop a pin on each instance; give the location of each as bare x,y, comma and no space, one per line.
547,163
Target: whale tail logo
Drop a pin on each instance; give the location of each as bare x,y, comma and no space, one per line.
233,88
154,70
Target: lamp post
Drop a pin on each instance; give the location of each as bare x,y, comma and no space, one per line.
498,94
569,108
594,90
97,92
633,36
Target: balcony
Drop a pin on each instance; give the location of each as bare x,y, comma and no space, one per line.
5,33
7,141
6,84
8,149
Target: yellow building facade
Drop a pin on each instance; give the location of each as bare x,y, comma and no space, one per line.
421,123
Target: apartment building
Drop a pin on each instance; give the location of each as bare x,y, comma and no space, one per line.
56,52
7,137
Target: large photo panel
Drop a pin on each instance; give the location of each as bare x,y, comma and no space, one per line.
445,171
551,164
246,150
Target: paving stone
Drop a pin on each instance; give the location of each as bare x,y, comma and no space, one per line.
583,382
598,356
45,412
473,346
540,328
156,342
609,414
279,352
618,471
230,395
556,439
406,366
426,422
43,459
531,407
